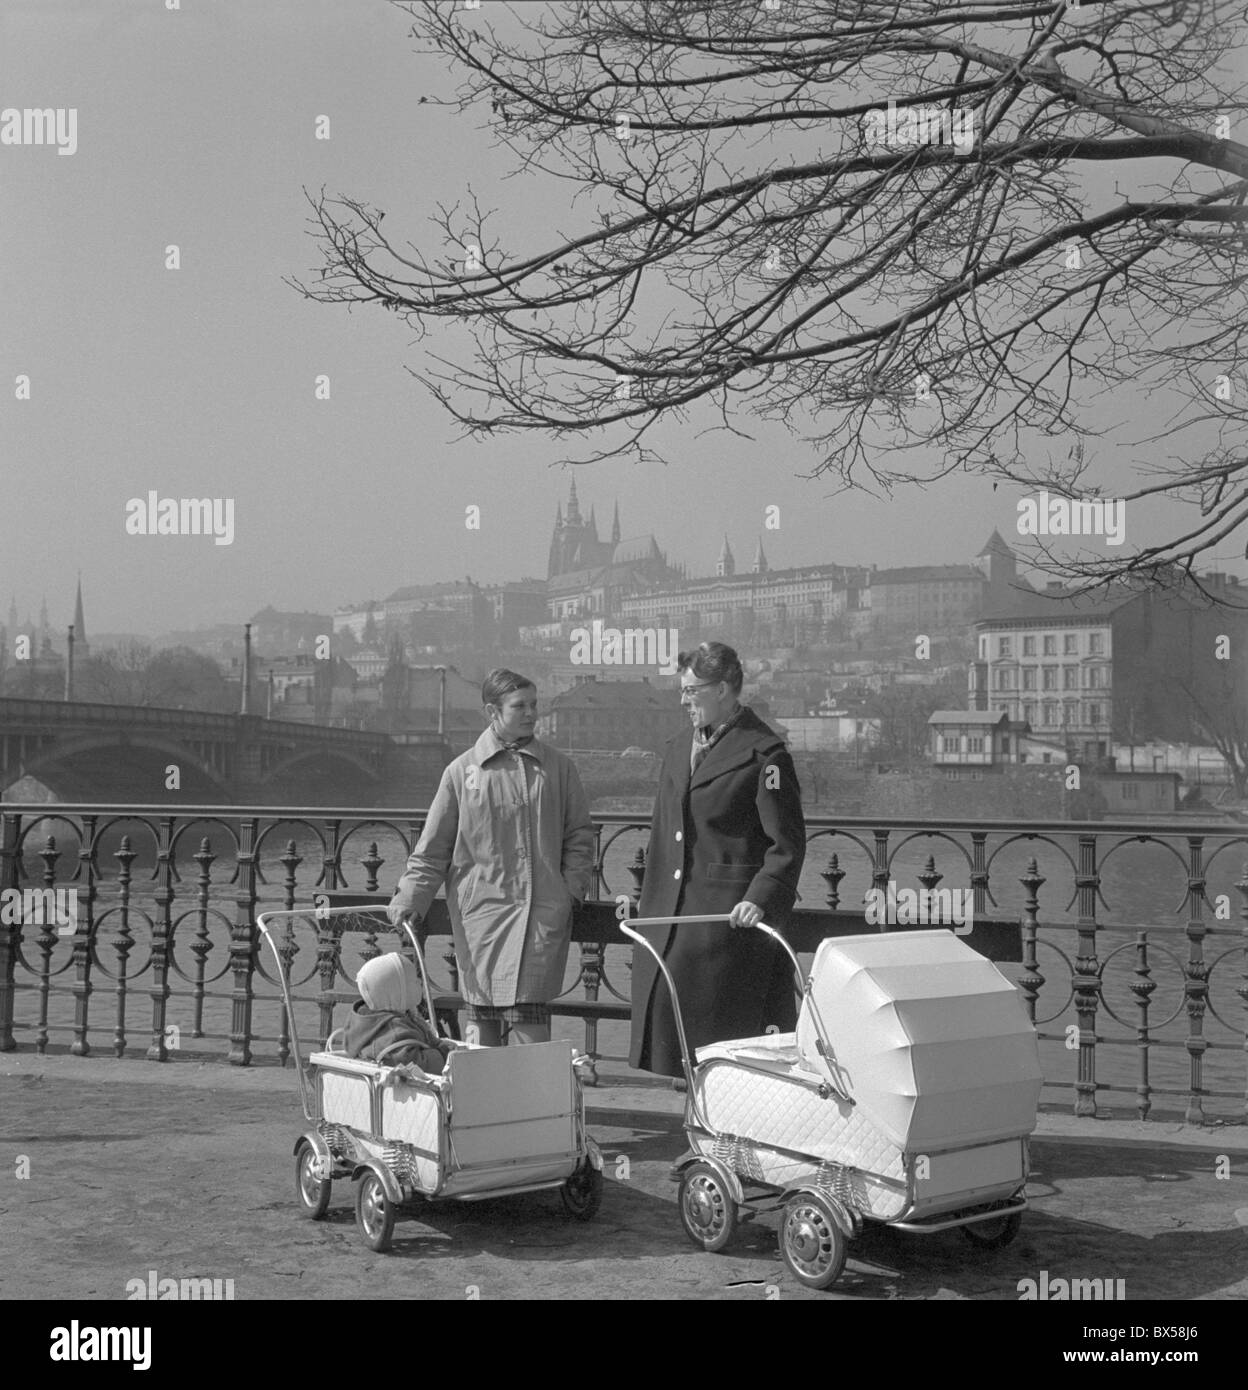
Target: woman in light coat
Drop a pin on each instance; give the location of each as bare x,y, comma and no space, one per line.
509,833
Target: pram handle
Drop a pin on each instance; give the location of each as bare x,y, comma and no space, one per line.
825,1046
321,914
726,917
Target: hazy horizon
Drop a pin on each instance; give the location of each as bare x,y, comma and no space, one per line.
200,381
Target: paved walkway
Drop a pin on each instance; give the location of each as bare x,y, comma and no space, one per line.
186,1169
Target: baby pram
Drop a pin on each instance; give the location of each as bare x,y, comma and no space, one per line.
496,1121
905,1096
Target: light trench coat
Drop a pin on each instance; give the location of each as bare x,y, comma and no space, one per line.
510,834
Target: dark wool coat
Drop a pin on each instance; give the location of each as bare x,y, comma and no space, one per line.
719,838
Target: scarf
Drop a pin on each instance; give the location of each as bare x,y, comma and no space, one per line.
705,738
512,745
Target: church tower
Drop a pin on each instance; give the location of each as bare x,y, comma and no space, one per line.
81,649
760,560
999,566
615,526
725,566
555,564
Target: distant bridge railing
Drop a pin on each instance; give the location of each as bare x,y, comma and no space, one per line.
17,714
155,933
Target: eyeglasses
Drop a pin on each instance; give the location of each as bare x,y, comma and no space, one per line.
686,691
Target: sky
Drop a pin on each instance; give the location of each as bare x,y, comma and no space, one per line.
196,128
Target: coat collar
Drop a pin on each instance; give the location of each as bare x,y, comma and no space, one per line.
734,749
489,744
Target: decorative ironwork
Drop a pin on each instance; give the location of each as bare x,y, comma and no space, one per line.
1151,998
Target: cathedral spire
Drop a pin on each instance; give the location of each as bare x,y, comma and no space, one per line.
80,623
593,525
726,565
615,525
760,560
574,509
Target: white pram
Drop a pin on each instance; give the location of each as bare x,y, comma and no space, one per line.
496,1121
905,1096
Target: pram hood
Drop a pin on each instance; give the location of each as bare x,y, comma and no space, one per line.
927,1037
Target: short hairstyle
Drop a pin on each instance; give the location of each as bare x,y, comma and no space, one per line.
500,683
713,661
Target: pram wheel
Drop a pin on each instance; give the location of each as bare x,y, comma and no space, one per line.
707,1210
812,1243
375,1213
312,1186
992,1235
582,1193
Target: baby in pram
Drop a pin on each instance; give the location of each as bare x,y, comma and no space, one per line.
390,993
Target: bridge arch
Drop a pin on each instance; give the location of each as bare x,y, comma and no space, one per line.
322,755
99,762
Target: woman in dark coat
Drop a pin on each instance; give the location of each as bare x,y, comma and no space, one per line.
727,836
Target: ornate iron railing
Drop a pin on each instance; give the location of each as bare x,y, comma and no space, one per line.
1126,1003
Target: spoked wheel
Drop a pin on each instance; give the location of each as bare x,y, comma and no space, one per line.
375,1213
582,1193
992,1235
707,1210
812,1244
310,1183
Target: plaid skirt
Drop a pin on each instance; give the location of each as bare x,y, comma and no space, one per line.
507,1013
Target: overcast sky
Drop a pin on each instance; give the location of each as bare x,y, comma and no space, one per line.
197,128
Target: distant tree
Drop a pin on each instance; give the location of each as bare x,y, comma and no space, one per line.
980,228
903,711
1212,696
133,674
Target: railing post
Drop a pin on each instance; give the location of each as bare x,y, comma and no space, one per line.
328,951
1087,979
46,942
1242,991
84,939
125,855
979,873
592,953
879,872
162,940
832,876
1031,980
1143,988
10,932
242,945
202,944
1196,978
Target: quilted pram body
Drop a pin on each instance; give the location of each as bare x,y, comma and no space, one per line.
909,1087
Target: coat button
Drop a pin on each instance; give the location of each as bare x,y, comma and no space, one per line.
676,874
679,836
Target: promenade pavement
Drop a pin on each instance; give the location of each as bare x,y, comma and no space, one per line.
185,1168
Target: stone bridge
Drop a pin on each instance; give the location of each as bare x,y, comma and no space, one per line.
114,751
